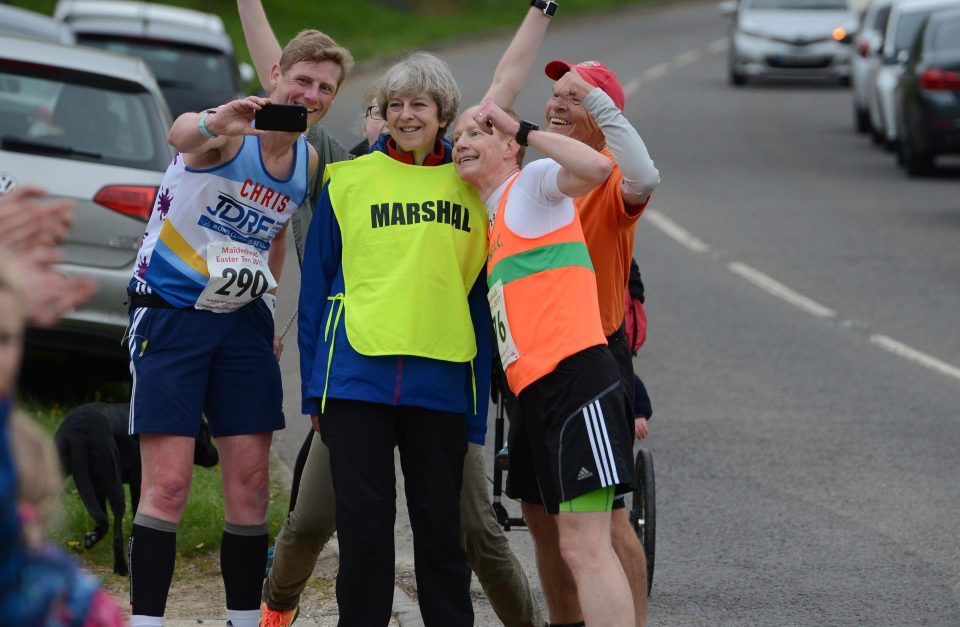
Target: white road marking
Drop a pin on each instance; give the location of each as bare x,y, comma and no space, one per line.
632,87
677,232
902,350
657,71
691,56
780,290
718,45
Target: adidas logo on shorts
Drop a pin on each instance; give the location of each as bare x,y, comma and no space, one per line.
584,474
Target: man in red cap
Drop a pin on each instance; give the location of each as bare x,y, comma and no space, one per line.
587,104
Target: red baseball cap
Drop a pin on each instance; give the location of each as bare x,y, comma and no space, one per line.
595,73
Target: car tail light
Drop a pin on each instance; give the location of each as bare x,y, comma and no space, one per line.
863,48
936,79
135,201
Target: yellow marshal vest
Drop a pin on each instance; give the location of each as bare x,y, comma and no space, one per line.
414,241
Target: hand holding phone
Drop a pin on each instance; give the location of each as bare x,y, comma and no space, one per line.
281,117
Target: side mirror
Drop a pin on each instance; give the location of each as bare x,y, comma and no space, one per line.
727,8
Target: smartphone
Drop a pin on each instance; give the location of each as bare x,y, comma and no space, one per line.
282,117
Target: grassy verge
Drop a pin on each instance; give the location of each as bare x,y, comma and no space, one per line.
198,536
371,28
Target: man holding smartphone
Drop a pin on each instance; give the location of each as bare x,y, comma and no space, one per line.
201,334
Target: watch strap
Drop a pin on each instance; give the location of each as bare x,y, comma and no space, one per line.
202,124
524,130
549,7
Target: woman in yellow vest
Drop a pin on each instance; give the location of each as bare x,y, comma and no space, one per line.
392,315
575,428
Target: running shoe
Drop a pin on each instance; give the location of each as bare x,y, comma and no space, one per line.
277,618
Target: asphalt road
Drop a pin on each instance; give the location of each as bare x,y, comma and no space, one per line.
803,355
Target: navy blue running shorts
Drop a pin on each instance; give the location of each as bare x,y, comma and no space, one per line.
186,362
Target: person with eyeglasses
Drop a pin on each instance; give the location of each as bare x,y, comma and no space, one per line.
372,125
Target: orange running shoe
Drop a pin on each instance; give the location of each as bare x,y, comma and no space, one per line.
277,618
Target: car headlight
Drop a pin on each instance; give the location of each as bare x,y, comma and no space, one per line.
842,35
751,29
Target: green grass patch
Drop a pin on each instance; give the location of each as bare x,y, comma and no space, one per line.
198,534
370,28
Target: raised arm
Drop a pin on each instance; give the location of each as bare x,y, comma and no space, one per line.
224,125
518,59
261,42
640,175
581,167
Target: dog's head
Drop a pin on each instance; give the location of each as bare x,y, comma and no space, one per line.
204,452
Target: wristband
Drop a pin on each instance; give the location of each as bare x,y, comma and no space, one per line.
270,301
549,7
202,124
524,130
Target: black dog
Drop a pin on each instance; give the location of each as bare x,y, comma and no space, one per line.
95,448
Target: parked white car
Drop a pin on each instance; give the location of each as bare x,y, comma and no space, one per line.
26,23
789,39
906,19
866,59
90,126
190,53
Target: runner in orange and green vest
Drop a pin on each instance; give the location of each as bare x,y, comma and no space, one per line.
574,434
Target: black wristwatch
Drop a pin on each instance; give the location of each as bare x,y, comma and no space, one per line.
549,7
525,128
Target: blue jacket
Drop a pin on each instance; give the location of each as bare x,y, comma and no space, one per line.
11,558
394,380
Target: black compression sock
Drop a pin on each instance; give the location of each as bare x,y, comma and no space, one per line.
153,551
243,558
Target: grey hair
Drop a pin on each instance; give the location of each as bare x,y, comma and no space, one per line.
422,73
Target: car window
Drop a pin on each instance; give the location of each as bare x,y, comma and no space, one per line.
946,35
907,29
174,66
50,111
792,5
881,18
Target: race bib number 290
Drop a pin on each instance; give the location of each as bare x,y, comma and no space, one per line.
238,275
501,327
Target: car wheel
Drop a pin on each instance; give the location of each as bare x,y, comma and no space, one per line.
736,78
844,81
915,162
861,119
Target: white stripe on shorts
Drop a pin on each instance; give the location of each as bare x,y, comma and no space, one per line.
606,444
600,444
596,443
132,346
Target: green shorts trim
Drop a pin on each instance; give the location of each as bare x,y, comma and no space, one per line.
600,500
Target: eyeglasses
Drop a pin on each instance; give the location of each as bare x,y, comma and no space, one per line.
373,112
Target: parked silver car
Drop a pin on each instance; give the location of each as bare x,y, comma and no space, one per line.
906,19
26,23
866,58
190,53
90,126
789,38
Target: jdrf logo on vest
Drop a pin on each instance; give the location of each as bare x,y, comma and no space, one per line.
240,222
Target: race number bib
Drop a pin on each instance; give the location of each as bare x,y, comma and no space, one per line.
238,275
501,327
